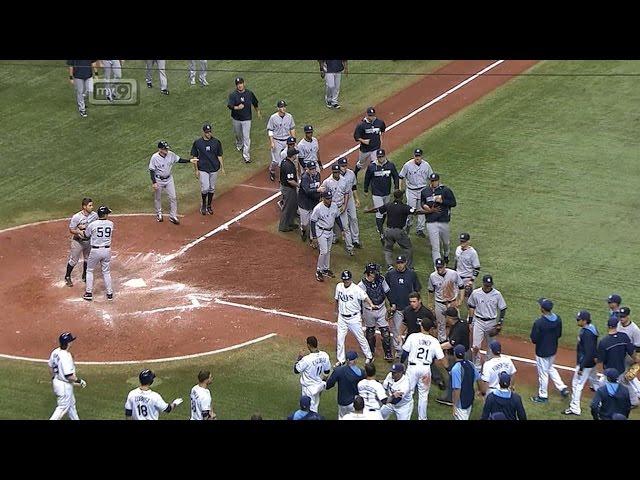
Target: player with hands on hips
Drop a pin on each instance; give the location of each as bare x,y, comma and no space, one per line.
100,235
398,387
314,369
200,397
323,217
145,404
377,289
79,242
63,378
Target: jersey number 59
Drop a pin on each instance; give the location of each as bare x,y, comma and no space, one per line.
103,232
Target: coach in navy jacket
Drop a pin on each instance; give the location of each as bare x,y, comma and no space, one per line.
347,377
613,349
546,330
505,401
611,398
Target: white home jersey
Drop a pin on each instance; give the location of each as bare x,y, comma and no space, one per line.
402,385
145,404
200,402
311,367
422,348
372,392
100,232
349,298
492,368
466,261
365,415
62,364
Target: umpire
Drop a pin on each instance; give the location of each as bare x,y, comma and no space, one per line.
438,227
402,281
347,377
288,185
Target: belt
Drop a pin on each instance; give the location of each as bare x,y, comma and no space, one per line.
78,239
348,315
423,363
164,178
325,229
445,303
106,246
374,410
280,139
419,188
484,319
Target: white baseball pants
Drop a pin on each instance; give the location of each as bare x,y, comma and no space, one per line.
577,384
355,325
420,375
461,413
402,413
546,370
66,400
314,392
344,409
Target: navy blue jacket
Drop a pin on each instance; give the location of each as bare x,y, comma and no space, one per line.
545,334
604,404
586,350
207,152
448,202
308,195
347,381
401,285
613,349
511,406
370,131
379,177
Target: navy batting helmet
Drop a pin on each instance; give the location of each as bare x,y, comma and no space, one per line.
346,275
146,377
66,338
163,144
103,210
371,268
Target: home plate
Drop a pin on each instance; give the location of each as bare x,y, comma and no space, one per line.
135,283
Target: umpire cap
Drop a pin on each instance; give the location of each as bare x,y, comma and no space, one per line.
346,275
292,151
146,377
103,210
66,338
163,144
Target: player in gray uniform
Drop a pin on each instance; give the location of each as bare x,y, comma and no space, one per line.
467,263
79,243
322,220
309,148
161,179
112,71
447,289
415,174
338,186
240,102
279,127
81,73
484,304
148,74
207,150
377,288
351,185
202,75
100,233
308,196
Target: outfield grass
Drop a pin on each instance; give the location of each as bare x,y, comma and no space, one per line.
51,157
543,170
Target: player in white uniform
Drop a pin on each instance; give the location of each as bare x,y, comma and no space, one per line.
496,364
422,349
145,404
201,398
467,263
80,243
63,378
348,297
397,386
313,369
372,392
99,233
446,289
415,173
359,412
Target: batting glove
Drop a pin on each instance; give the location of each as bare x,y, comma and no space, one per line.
177,401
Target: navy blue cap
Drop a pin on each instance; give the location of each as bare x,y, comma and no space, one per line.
239,80
624,312
371,111
612,374
451,312
292,151
465,237
380,153
305,402
417,152
308,128
495,346
613,321
327,194
281,103
504,379
401,259
618,416
206,127
459,350
311,164
546,304
342,161
488,279
434,176
291,140
163,144
351,355
371,268
346,275
66,337
614,298
146,377
335,167
103,210
439,263
583,315
397,368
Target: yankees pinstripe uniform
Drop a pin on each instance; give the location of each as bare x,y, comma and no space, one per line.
397,384
79,243
100,234
322,219
351,187
202,75
112,71
148,74
279,127
337,184
467,263
415,173
485,303
445,296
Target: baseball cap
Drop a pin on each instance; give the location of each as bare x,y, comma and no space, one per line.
206,127
488,279
614,298
397,368
439,263
380,153
401,259
308,128
583,315
624,312
239,80
371,111
611,374
311,164
417,152
504,379
335,167
612,322
451,312
546,304
495,346
371,268
342,161
281,103
66,337
305,402
327,194
351,355
459,350
346,275
465,237
434,176
292,151
163,144
291,140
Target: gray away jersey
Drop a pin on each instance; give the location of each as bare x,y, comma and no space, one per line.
280,126
308,150
437,282
80,219
350,180
100,233
466,261
325,217
486,304
162,165
416,176
338,189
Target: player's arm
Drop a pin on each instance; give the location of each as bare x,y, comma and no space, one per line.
381,209
367,179
270,127
394,176
369,302
73,228
535,333
70,63
172,406
431,296
194,156
94,67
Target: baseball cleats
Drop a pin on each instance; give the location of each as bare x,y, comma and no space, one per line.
203,210
210,210
538,399
444,401
565,393
88,296
357,245
159,217
568,411
319,276
109,296
204,83
335,105
174,220
68,281
247,160
351,253
83,113
149,85
329,104
420,233
192,81
272,176
328,273
164,92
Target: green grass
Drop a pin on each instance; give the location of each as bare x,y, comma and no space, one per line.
543,170
51,157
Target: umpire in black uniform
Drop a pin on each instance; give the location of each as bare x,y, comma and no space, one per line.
402,281
288,185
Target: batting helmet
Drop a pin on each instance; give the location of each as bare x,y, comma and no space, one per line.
346,275
308,128
163,144
146,377
66,338
103,210
372,268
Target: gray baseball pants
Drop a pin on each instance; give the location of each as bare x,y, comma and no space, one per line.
378,202
83,87
275,154
288,215
480,329
324,247
365,158
352,216
396,322
208,181
344,218
78,248
375,318
332,84
112,71
439,232
242,131
148,73
305,216
413,200
202,75
399,236
441,321
100,256
170,188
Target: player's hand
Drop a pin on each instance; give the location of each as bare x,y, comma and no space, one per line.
155,186
240,106
259,114
357,202
438,198
82,383
314,242
194,160
321,189
365,141
197,175
177,402
222,171
273,145
71,81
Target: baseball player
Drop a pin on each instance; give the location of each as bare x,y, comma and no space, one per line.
145,404
63,378
305,412
207,151
369,134
201,398
81,73
379,176
377,290
438,226
372,392
331,72
422,350
202,75
280,126
467,263
613,302
79,243
494,366
503,400
148,74
463,376
112,71
353,202
358,412
348,297
446,289
347,378
414,175
160,167
100,234
483,306
308,147
308,196
610,399
586,351
340,190
613,352
322,220
397,385
240,102
313,369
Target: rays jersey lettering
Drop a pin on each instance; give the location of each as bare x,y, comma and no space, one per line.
349,298
145,404
492,368
312,366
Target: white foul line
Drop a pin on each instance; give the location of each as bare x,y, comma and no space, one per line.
156,360
225,226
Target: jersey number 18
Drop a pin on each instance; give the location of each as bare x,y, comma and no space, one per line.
142,410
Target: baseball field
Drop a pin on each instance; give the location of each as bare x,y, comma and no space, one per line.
541,165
